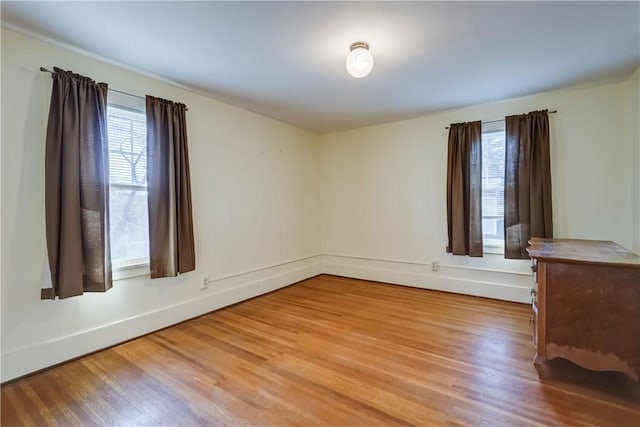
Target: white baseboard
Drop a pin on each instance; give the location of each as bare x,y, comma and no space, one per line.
239,288
509,286
502,285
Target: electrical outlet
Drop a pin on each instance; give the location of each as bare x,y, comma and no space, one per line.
435,265
205,282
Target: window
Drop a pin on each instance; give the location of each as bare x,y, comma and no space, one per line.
493,160
128,217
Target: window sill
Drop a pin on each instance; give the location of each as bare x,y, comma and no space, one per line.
498,250
130,271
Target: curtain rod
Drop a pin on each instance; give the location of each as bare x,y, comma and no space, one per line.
43,69
499,120
115,90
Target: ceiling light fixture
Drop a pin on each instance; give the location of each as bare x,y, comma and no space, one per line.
360,60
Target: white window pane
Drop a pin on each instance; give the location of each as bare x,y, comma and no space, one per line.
129,225
139,168
493,152
127,147
129,228
119,167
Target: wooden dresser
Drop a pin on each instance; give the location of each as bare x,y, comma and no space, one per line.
586,304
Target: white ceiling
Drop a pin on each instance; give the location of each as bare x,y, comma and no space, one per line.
286,60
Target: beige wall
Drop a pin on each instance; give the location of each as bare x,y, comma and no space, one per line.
255,199
383,189
633,124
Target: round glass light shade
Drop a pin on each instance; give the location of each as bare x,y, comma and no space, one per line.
359,61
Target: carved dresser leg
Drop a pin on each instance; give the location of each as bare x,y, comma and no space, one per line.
539,362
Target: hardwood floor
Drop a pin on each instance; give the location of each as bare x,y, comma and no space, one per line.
328,351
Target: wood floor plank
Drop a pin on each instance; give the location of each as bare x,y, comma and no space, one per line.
16,407
42,408
328,351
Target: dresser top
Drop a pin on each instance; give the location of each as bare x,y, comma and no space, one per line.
582,251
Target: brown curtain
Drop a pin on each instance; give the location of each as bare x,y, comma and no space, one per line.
77,187
171,244
464,189
527,193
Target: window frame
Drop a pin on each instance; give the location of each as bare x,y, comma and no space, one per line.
493,246
131,108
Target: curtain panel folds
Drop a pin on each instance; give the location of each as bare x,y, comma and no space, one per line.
527,194
171,242
464,189
77,187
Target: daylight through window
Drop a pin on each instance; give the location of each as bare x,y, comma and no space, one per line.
493,151
128,216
